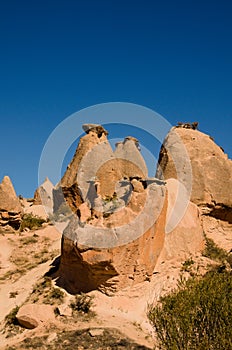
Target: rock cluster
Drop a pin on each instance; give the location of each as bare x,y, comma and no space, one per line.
10,207
117,231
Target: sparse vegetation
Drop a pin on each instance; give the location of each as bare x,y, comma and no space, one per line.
29,240
31,222
186,266
47,293
198,316
80,339
82,303
13,294
214,252
29,252
11,319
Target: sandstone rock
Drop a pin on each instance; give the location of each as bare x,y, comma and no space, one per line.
86,143
211,168
65,310
184,233
10,207
129,150
127,244
98,129
32,315
96,332
8,199
44,195
219,230
37,210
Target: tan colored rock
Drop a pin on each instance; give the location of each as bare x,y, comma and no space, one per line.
211,168
8,199
86,143
85,212
137,185
44,195
37,210
186,237
32,315
220,231
10,207
120,253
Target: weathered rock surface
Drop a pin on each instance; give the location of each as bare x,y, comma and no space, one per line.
211,179
211,168
43,195
10,207
37,210
187,238
117,230
32,315
111,256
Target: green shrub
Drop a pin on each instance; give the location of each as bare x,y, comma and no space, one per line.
186,266
214,252
55,294
32,222
82,303
198,316
11,319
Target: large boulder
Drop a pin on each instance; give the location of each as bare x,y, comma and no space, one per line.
32,315
10,207
211,169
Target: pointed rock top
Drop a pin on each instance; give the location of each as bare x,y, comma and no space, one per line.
98,129
8,198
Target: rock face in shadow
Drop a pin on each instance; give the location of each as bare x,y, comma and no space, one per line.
10,207
116,232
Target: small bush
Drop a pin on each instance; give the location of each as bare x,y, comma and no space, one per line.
28,240
32,222
214,252
186,266
82,303
55,294
11,319
198,316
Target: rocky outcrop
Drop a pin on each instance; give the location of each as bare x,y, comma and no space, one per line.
211,168
117,229
10,207
210,180
118,250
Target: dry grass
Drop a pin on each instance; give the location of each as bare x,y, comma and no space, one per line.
29,252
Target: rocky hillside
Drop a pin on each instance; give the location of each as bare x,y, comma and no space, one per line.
82,260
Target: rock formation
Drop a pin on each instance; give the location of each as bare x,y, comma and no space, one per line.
43,194
187,237
211,168
10,207
211,179
121,221
117,231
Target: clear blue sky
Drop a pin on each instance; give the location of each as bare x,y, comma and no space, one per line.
60,56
